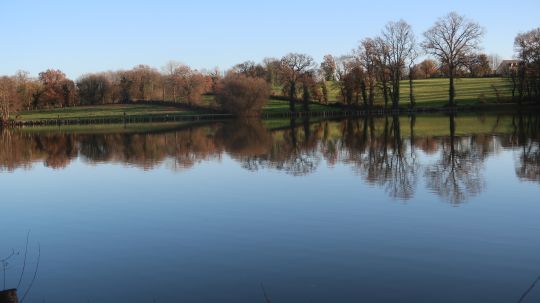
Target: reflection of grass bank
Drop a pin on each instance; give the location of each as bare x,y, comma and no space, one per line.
116,128
425,125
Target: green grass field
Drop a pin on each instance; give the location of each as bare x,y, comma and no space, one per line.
434,92
429,93
104,111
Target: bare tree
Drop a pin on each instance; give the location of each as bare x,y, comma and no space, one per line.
9,101
427,68
328,67
382,54
494,61
478,66
399,39
250,69
357,84
170,71
412,74
272,67
185,83
56,89
345,66
146,82
369,59
94,89
453,39
292,69
527,46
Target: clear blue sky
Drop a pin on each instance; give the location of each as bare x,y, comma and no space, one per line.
97,35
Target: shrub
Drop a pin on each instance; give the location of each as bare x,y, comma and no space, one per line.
242,95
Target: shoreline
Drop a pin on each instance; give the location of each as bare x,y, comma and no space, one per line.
339,112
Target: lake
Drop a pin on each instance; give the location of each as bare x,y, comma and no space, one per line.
382,209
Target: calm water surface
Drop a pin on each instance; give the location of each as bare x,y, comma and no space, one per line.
396,209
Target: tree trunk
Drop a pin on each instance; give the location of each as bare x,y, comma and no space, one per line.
385,93
305,98
411,88
395,99
364,94
452,131
397,134
371,94
452,90
293,132
325,92
412,125
292,93
307,130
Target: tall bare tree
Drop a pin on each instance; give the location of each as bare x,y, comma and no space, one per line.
26,87
399,39
9,103
328,67
427,68
479,66
94,89
453,39
56,89
494,61
292,70
412,74
368,57
170,71
527,46
382,53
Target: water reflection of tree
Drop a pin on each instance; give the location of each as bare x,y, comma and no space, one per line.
383,159
296,152
376,147
245,140
458,173
527,134
15,151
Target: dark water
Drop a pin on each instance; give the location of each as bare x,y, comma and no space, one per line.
396,209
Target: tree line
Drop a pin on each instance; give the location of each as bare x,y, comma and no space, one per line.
375,69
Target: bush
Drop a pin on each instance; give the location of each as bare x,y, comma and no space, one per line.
242,95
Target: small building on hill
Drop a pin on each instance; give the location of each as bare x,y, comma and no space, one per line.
506,66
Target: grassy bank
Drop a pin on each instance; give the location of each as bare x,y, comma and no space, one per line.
104,111
137,112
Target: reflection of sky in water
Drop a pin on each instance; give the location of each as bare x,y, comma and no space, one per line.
110,232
